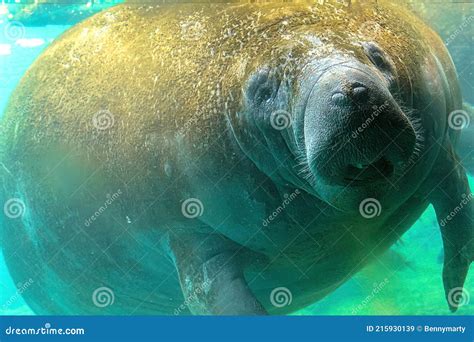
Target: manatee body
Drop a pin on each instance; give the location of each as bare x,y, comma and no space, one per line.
224,158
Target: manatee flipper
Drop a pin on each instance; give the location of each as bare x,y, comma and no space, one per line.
452,201
210,269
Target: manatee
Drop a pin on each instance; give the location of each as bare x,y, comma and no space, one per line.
228,159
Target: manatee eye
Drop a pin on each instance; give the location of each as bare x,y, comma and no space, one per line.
376,56
263,93
377,59
383,62
262,86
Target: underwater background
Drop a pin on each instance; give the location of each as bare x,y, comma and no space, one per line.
406,280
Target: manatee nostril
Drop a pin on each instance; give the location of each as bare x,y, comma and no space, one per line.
355,92
360,93
339,98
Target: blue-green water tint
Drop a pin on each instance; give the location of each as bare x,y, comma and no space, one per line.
406,280
15,58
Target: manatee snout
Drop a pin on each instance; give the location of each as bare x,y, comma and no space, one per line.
355,131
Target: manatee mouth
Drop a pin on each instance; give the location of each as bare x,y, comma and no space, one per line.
359,174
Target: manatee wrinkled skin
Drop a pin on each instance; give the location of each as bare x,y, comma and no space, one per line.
193,158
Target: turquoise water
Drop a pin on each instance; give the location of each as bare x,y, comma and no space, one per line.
15,58
406,280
